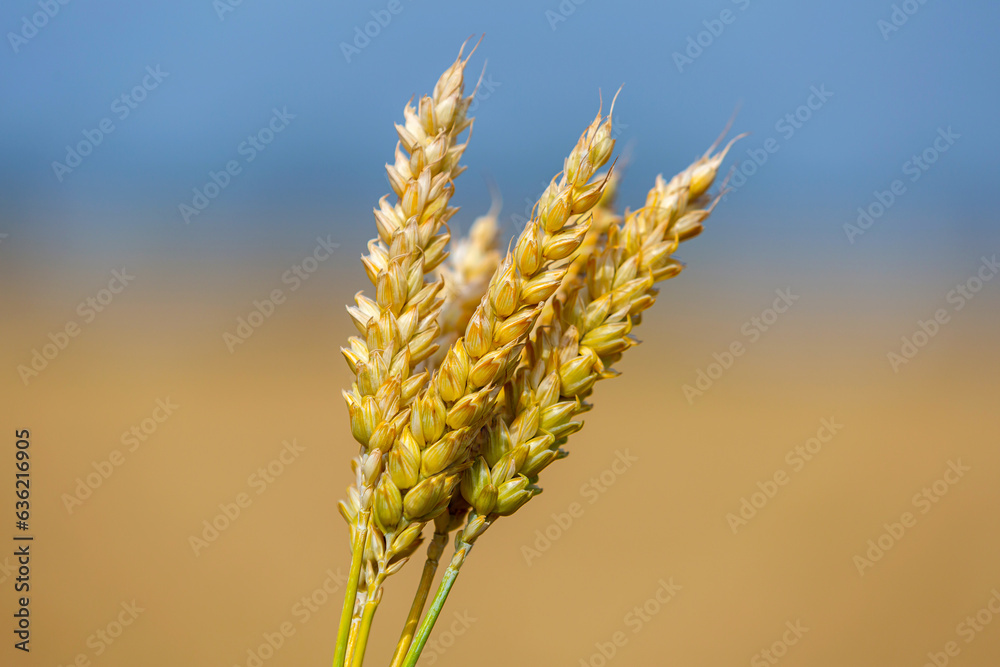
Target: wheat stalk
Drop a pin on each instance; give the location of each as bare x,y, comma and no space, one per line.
423,466
588,332
469,376
400,326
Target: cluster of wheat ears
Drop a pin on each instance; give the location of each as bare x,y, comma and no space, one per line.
471,374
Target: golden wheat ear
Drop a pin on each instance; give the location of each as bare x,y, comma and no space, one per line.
467,274
590,329
431,450
399,327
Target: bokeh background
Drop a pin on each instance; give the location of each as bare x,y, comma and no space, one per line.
894,77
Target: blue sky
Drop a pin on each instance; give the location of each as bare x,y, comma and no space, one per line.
225,69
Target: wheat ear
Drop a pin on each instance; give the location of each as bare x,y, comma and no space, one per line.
466,274
589,332
602,217
423,467
400,325
563,360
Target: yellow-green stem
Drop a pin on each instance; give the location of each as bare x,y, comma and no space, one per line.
447,582
347,613
434,551
352,638
365,628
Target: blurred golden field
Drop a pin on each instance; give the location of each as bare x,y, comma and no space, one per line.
546,586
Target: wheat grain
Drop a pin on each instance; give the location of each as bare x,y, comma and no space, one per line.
466,275
471,375
400,325
423,467
588,332
409,472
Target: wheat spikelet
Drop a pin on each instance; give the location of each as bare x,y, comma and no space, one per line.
588,332
423,468
466,274
400,326
602,217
